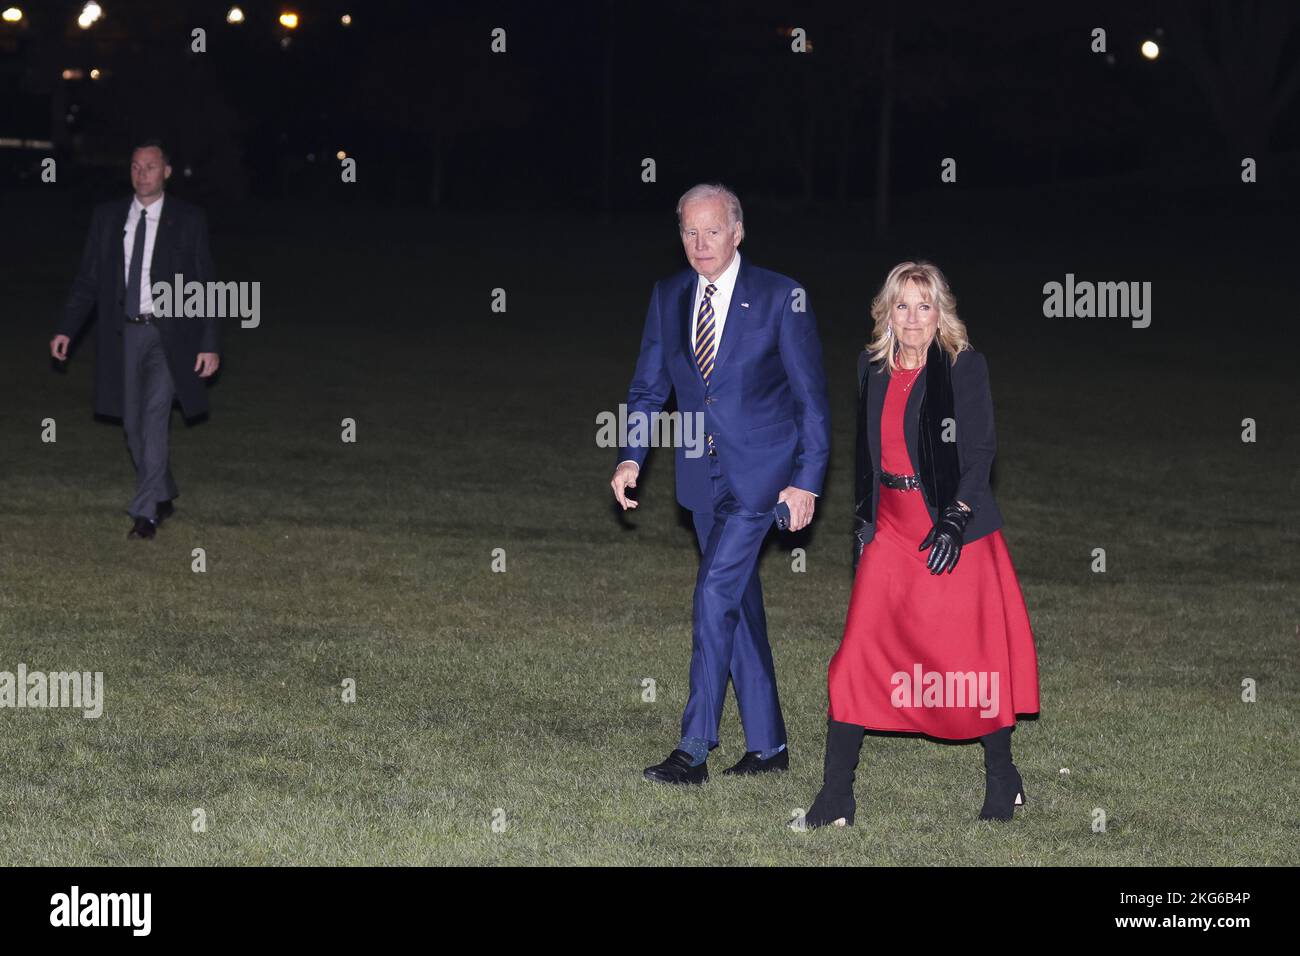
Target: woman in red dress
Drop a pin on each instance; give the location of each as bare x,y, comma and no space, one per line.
937,639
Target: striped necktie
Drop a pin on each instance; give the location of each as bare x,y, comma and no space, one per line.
704,350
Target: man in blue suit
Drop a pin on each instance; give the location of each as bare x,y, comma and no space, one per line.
739,346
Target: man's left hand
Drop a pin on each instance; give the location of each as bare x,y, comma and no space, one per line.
206,364
801,504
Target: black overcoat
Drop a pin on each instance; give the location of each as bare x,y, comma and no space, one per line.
181,247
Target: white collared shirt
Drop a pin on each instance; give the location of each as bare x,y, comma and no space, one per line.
153,215
721,300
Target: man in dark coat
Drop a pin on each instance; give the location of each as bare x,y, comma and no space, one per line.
143,361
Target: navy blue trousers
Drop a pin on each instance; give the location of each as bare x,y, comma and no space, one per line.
729,639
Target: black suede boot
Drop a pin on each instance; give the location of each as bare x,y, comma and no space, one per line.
1003,788
834,804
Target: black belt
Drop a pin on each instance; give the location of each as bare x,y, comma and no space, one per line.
900,482
144,318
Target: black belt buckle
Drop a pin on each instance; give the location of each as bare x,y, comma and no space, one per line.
900,482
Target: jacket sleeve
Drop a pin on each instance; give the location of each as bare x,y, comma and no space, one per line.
650,381
205,271
85,286
801,354
976,441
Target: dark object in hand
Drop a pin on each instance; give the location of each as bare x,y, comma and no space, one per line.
782,514
945,540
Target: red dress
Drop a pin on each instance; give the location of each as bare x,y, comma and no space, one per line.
949,655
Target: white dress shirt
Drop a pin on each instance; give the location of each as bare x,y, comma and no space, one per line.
153,215
726,284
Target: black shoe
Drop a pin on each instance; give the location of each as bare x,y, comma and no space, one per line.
835,805
143,528
165,510
751,764
1002,794
677,769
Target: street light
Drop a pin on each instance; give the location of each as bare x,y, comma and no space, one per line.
234,15
1150,49
289,20
90,13
11,15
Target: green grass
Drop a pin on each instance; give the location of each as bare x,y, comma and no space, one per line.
521,691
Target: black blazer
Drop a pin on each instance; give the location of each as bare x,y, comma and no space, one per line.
966,397
181,246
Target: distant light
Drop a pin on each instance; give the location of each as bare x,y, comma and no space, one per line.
340,155
289,20
311,157
284,42
1150,49
11,15
346,19
95,74
234,15
90,13
74,74
189,171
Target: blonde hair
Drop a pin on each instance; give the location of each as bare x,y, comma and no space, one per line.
930,282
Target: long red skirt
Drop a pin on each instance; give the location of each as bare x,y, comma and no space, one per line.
950,655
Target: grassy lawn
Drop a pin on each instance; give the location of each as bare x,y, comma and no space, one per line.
519,693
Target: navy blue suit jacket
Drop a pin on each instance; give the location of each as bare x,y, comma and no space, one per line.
765,403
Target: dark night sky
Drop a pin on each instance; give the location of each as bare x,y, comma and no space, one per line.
412,90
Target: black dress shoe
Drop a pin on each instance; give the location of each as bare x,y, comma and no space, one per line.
751,764
677,769
165,510
143,528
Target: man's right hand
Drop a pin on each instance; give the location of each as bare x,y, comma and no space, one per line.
624,478
59,347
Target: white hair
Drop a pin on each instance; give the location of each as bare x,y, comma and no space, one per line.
710,191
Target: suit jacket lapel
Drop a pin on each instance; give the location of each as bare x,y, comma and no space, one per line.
733,330
166,226
685,304
911,418
118,238
877,382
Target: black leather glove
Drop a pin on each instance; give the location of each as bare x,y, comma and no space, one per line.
861,534
945,540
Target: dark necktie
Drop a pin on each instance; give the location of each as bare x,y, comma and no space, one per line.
137,262
704,346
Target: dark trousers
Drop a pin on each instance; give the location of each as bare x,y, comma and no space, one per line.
729,637
146,417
